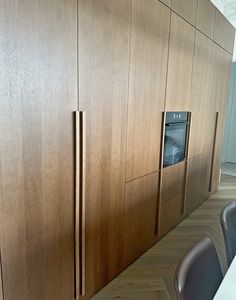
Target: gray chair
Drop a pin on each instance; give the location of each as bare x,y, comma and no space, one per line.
199,274
228,224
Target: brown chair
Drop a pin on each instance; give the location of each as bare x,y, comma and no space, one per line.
199,274
228,223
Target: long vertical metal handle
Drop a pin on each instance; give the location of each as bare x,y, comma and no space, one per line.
214,151
80,186
1,279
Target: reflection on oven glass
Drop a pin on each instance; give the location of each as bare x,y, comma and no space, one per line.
175,138
174,151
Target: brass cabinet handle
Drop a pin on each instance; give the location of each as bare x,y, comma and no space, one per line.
1,278
80,189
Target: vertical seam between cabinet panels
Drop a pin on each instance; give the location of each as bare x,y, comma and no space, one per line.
1,275
77,52
168,57
127,122
128,85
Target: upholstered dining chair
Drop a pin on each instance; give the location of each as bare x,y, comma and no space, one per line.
199,275
228,224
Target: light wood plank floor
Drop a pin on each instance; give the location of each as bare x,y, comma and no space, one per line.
151,276
228,169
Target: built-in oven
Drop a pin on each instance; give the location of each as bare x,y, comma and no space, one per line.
175,137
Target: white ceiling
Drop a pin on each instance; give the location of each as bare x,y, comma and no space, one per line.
228,8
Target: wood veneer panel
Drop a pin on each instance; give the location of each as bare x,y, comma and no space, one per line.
199,92
38,96
206,17
229,37
141,200
186,9
224,70
171,214
148,67
224,32
180,64
173,181
218,36
193,183
103,88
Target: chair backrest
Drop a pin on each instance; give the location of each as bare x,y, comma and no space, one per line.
228,224
199,274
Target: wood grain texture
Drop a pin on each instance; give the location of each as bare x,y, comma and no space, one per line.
141,202
224,32
173,181
187,9
38,96
224,70
206,17
180,65
171,214
199,93
219,28
103,92
147,84
193,183
151,277
229,37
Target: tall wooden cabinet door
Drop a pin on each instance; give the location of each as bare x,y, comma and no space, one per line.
225,70
180,64
147,83
199,93
141,209
103,91
38,97
187,9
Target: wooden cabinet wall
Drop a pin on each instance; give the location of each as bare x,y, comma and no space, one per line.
103,92
180,63
123,63
147,86
141,209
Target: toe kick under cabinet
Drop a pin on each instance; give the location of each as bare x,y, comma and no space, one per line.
85,85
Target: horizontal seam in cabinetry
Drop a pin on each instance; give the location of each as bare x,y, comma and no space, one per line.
200,31
155,171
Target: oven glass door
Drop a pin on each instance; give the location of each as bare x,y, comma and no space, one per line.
175,143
